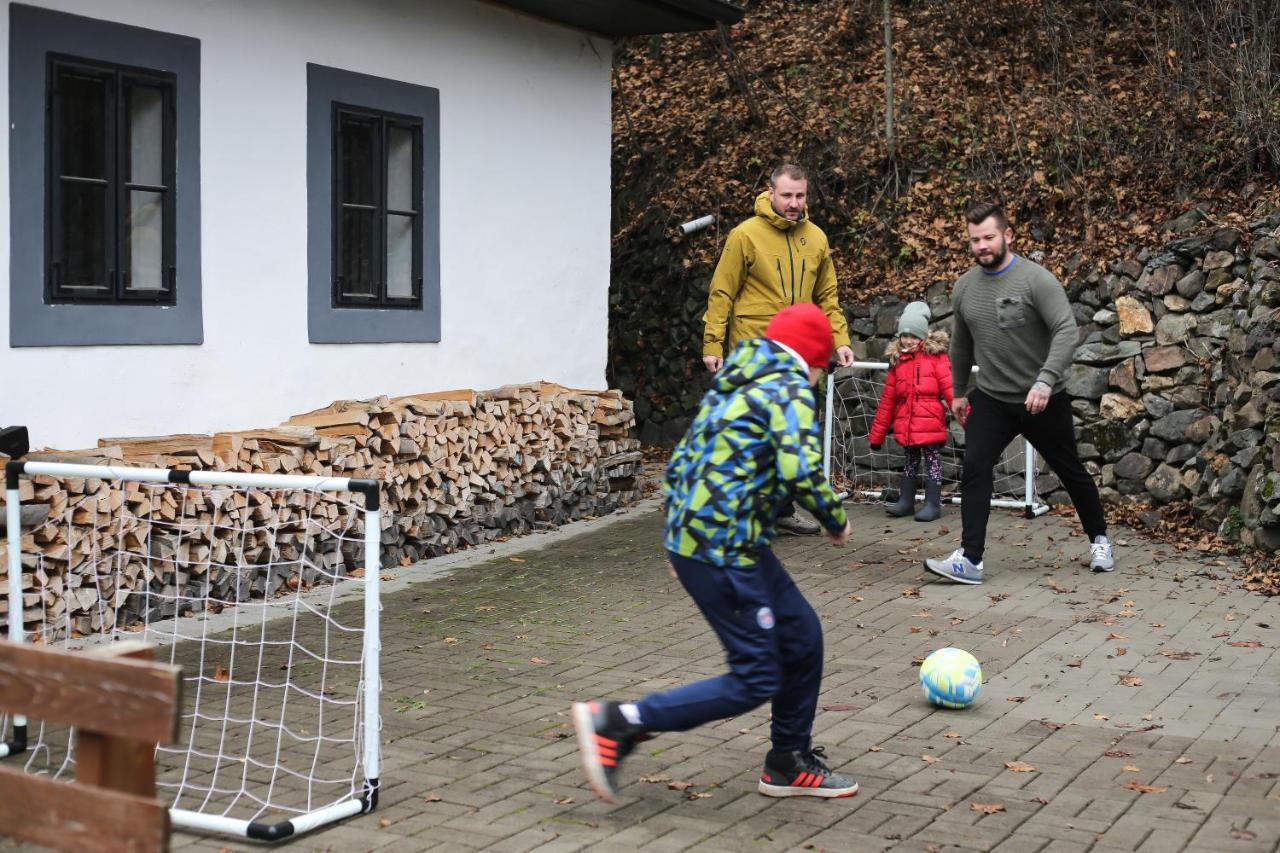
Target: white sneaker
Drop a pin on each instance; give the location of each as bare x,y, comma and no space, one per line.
1100,557
798,525
956,568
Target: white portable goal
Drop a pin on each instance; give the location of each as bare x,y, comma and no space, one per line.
856,471
264,588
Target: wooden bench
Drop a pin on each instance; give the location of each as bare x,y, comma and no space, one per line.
121,704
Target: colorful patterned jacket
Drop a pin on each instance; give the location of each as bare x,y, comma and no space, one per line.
753,445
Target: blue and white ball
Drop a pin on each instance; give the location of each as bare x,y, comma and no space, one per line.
951,678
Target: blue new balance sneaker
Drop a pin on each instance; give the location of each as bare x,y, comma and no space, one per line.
956,568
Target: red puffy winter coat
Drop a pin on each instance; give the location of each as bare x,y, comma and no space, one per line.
917,394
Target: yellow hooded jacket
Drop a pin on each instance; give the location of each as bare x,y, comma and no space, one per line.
768,263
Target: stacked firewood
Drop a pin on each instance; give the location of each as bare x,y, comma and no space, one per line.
456,469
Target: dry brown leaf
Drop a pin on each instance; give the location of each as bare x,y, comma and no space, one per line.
875,749
839,707
1242,834
952,734
1015,698
697,795
1178,655
987,808
562,801
221,673
1117,753
655,778
679,786
1114,636
1121,651
916,629
1076,663
911,592
432,798
1246,644
1131,680
539,661
1182,760
1019,766
518,560
930,759
1145,789
1129,768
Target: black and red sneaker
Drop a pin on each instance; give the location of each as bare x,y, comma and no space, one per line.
604,739
799,773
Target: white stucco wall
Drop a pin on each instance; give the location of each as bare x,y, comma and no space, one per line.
524,224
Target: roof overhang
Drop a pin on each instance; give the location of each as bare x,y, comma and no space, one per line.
632,17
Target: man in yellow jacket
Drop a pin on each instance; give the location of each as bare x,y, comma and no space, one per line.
775,259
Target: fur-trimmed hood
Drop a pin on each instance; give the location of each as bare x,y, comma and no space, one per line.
937,342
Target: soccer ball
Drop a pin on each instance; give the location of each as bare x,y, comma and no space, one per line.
951,678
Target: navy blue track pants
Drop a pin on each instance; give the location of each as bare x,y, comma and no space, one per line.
773,643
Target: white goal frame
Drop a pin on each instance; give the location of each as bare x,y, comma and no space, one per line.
1030,504
366,701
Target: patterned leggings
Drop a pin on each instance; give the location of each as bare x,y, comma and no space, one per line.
932,454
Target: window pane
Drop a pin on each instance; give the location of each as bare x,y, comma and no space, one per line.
82,237
82,121
358,255
359,147
146,135
145,241
400,168
400,256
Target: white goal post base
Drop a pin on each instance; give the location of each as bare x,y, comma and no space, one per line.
312,535
260,831
1030,511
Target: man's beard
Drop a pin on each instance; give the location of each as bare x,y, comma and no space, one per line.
997,260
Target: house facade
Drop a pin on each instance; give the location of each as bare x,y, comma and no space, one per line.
225,212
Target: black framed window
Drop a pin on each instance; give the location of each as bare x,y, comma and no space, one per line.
377,187
110,232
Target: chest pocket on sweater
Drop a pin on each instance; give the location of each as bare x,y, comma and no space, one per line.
1011,312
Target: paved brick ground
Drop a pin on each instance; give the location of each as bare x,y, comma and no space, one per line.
479,669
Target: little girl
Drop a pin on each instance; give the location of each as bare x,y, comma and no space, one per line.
917,396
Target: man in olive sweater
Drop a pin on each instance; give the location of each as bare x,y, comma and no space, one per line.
1013,319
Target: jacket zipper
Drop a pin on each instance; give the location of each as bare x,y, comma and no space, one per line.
782,282
792,259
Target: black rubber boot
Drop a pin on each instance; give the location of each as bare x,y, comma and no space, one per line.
906,499
932,508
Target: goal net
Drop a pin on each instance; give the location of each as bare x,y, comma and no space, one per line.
857,471
263,588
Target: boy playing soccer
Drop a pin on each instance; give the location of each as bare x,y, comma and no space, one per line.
752,448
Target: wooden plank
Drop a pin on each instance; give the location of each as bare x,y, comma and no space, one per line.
79,817
121,764
466,395
225,443
128,698
326,419
160,445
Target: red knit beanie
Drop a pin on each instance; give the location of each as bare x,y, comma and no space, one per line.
806,330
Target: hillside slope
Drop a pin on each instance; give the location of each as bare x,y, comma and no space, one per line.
1098,122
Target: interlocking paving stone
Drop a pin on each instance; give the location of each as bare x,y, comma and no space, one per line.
480,724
